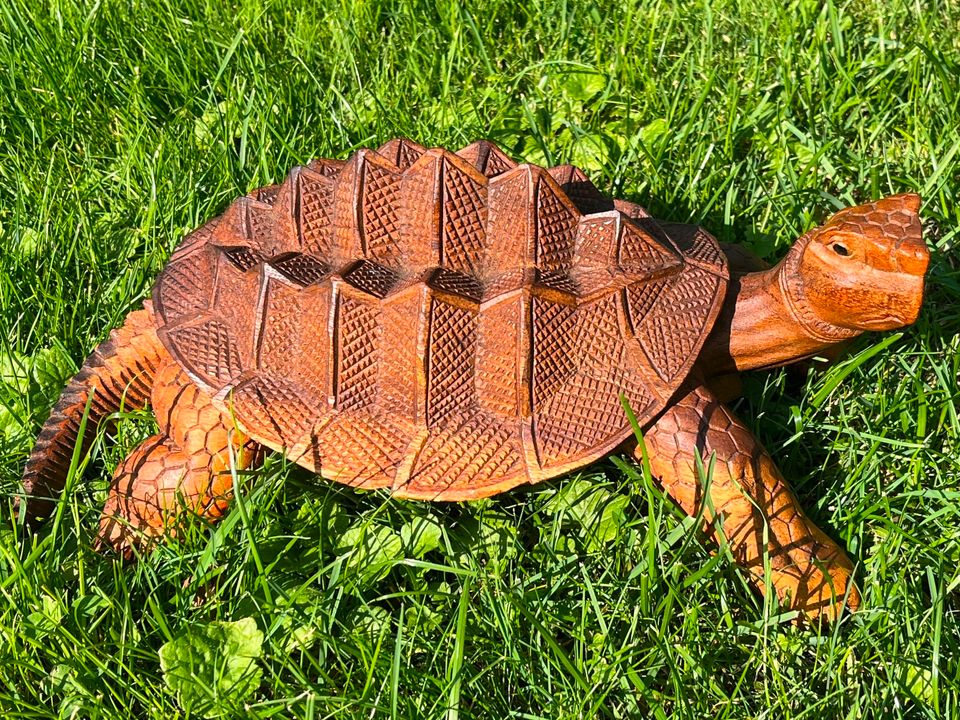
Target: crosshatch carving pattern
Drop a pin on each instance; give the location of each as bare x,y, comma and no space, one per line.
517,339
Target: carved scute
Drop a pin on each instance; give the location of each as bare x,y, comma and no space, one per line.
314,212
698,245
643,296
487,158
186,286
456,283
557,219
293,340
500,329
595,268
275,408
511,225
554,348
273,221
233,227
581,191
598,240
266,195
326,167
238,317
401,152
476,153
563,283
207,352
311,366
403,343
300,268
372,278
380,211
450,374
507,281
467,455
261,226
361,448
420,220
346,240
278,330
585,418
242,257
675,327
581,368
641,253
463,215
566,175
357,348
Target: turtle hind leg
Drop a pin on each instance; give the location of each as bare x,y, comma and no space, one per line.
184,470
759,513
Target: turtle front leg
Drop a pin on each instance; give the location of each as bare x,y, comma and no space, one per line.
184,469
749,496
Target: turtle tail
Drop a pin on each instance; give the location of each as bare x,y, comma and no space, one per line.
118,374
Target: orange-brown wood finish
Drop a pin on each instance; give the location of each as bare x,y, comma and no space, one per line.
118,374
449,325
862,270
186,468
745,502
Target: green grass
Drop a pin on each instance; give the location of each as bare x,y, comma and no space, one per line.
126,124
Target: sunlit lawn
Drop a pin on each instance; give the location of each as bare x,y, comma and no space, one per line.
126,124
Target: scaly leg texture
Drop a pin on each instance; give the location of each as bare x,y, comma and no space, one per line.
757,510
118,374
184,469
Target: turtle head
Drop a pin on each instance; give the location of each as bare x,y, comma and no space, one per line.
861,270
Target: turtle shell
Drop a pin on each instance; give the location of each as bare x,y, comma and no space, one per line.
445,324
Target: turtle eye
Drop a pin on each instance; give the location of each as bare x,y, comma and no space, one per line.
840,249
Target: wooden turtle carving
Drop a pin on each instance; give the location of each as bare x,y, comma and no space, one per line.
452,325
